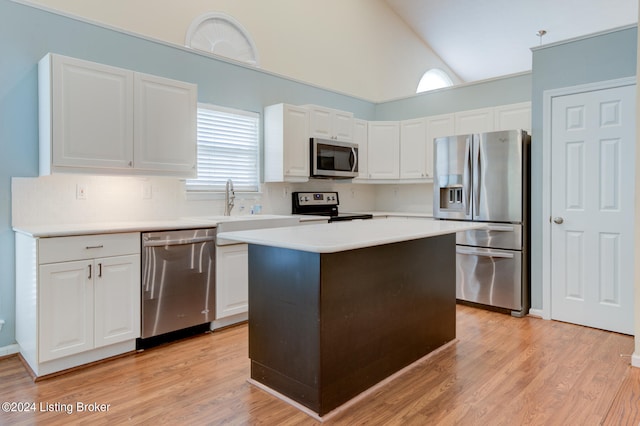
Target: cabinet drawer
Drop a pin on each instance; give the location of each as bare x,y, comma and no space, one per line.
62,249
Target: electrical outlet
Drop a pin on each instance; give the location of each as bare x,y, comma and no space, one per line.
81,192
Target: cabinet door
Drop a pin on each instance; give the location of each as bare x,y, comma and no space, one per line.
342,125
232,280
117,299
474,121
328,123
384,150
296,142
437,126
92,114
165,125
413,146
320,122
360,137
65,323
512,117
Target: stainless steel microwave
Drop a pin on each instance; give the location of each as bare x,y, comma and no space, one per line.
333,159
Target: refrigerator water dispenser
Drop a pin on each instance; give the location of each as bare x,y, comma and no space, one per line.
451,198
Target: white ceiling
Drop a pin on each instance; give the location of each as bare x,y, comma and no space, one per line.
480,39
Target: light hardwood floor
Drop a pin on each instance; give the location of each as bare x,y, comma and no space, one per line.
501,371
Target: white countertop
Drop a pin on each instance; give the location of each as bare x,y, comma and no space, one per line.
341,236
70,229
62,230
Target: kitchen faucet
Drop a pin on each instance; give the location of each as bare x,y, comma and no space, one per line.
229,197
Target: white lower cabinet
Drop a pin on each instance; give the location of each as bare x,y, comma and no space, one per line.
232,280
232,284
77,299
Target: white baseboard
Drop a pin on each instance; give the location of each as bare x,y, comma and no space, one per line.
9,350
536,313
635,360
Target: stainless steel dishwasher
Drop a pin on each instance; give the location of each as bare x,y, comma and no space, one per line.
178,280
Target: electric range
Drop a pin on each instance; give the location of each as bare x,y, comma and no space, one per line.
322,204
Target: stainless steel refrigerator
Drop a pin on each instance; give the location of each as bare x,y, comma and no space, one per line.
485,178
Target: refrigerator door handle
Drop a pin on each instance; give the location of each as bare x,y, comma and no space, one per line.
487,253
477,173
466,177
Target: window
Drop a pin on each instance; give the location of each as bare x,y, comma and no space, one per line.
227,149
435,78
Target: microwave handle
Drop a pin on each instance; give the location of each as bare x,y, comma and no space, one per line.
355,160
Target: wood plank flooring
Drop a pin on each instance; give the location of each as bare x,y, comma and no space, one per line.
501,371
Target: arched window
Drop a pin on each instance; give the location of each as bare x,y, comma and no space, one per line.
435,78
222,35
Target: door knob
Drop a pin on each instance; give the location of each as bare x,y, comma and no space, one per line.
558,220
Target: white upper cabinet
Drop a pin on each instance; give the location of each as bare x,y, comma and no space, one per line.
515,116
384,150
437,126
96,118
327,123
413,149
165,118
86,115
286,143
474,121
360,132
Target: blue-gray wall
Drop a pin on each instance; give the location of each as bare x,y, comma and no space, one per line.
488,93
605,57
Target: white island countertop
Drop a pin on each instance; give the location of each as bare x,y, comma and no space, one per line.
349,235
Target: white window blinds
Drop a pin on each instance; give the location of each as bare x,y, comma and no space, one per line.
227,149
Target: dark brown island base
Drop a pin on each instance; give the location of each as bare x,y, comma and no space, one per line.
325,325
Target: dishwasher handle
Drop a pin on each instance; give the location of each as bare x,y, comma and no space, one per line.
484,253
177,242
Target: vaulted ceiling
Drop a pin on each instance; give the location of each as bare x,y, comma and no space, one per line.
481,39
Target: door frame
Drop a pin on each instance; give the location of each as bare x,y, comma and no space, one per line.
548,95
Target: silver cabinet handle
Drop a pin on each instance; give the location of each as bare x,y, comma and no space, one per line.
89,277
94,247
558,220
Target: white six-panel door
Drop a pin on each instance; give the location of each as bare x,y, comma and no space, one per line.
592,208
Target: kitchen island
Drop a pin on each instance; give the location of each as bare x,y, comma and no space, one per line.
336,308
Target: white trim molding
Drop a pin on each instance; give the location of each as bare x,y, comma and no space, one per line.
9,350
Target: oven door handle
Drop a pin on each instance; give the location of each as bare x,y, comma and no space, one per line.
483,253
180,242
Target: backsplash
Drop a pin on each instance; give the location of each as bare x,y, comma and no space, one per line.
58,199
